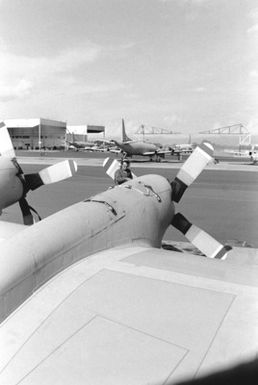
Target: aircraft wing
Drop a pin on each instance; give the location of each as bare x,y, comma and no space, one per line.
128,141
163,152
148,153
133,315
8,229
115,151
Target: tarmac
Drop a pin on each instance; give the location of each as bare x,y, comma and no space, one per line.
174,164
223,200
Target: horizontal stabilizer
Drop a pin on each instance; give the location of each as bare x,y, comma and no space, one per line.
200,239
128,141
6,146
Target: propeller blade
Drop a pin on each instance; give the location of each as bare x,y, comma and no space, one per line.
111,165
191,169
6,146
26,212
51,174
200,239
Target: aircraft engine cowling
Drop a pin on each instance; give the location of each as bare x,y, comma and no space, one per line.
137,213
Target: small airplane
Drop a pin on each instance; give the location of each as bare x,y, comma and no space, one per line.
250,154
80,144
182,148
97,145
253,156
14,184
132,147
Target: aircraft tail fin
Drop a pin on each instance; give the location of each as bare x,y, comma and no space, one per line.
125,138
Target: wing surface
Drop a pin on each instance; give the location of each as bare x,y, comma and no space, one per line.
133,315
161,152
148,153
8,229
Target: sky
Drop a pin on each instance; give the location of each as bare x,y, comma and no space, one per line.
183,65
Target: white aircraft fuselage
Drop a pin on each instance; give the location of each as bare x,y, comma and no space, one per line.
138,148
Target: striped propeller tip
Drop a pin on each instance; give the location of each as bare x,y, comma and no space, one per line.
110,166
58,171
191,169
208,245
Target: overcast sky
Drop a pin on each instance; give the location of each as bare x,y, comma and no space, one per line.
187,65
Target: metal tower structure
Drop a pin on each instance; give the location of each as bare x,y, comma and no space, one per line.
237,129
143,129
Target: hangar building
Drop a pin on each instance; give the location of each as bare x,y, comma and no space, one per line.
81,133
37,133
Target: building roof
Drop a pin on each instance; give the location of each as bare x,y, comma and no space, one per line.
33,122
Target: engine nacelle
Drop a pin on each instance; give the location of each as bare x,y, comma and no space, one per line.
134,213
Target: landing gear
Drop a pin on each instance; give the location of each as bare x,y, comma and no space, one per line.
157,158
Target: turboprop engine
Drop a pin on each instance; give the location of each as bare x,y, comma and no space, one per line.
14,184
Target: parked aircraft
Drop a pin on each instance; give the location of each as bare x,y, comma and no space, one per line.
182,148
245,155
252,154
14,184
80,144
87,295
97,145
132,147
